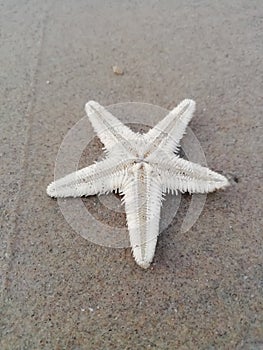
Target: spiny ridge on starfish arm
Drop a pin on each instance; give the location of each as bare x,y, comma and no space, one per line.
142,167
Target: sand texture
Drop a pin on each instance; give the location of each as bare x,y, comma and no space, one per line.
204,289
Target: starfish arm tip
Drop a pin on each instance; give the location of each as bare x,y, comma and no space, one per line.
191,104
225,183
89,105
143,264
189,100
221,183
51,190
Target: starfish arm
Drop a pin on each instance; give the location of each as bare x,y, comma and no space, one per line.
109,129
178,174
142,197
102,177
168,133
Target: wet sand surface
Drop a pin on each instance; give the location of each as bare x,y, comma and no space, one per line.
204,289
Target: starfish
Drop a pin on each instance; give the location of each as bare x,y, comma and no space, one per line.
142,168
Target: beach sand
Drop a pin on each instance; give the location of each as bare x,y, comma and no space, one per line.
203,289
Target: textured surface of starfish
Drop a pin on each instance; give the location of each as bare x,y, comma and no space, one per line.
142,168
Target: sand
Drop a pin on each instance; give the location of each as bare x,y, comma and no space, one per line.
204,289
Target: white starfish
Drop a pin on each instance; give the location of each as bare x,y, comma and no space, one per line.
142,167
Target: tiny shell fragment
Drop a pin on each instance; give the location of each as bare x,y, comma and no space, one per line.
117,70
